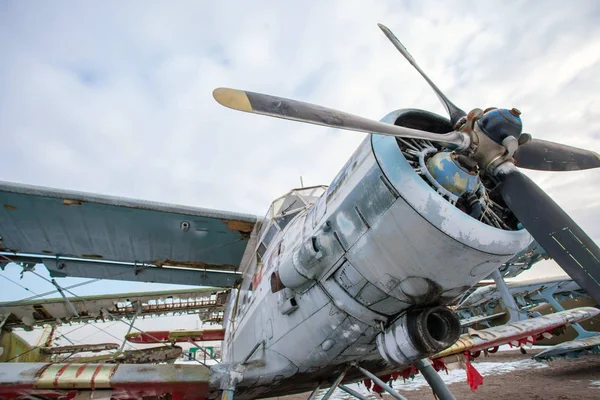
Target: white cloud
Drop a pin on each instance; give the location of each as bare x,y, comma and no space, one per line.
115,97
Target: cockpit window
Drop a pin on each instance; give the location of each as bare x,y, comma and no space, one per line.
283,210
261,250
269,235
290,204
285,219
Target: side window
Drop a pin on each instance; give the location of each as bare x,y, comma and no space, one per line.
269,236
264,244
261,250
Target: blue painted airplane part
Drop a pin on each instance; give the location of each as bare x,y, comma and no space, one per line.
446,170
49,222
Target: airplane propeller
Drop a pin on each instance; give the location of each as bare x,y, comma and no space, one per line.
543,155
279,107
552,227
492,139
455,113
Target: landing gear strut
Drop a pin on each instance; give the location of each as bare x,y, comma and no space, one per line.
515,314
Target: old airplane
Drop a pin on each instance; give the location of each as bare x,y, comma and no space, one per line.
339,282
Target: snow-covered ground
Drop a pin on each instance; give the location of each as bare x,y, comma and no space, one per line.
453,376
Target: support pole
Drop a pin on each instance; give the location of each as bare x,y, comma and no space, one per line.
69,305
256,346
129,329
227,394
433,378
334,386
313,394
548,295
514,312
352,392
381,383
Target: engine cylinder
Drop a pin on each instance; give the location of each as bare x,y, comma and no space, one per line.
418,334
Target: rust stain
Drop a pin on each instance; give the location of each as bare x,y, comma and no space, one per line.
9,207
72,202
92,256
46,251
242,227
144,369
42,370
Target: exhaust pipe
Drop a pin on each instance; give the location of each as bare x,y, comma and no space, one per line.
418,334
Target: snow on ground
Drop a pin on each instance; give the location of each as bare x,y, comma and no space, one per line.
454,376
460,375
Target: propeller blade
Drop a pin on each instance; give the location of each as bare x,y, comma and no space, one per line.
454,112
550,156
294,110
554,230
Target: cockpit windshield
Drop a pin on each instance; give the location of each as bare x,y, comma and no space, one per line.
284,209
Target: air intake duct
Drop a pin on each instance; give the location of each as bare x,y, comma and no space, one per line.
418,334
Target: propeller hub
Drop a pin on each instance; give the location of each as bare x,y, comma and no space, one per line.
498,124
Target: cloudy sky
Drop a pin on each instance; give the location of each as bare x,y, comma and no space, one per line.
115,97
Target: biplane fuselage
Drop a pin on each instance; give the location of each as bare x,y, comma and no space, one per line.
332,273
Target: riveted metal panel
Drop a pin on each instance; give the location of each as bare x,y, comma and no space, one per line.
349,278
418,262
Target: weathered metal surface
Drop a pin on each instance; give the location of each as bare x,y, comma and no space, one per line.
549,156
564,240
78,348
437,211
143,356
570,349
373,256
75,376
451,175
478,319
455,113
528,289
513,332
140,273
176,336
91,308
186,382
50,221
280,107
524,260
418,334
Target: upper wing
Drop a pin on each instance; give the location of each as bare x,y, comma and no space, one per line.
58,225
